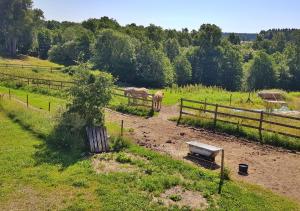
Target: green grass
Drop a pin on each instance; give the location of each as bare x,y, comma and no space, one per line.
28,60
36,100
220,96
36,175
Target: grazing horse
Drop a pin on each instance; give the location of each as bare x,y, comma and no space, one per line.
157,99
142,93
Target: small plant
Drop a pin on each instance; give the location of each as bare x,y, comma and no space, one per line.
35,70
123,158
119,143
80,183
175,197
227,173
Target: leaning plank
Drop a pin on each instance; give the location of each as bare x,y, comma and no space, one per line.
99,139
90,137
106,140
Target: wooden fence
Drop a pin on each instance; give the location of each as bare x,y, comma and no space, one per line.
51,84
24,66
258,119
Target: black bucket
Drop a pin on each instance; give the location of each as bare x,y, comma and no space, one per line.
243,169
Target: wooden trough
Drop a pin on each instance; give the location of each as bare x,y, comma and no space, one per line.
204,151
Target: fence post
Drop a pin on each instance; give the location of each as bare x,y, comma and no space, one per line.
49,106
180,114
216,116
260,125
152,105
9,96
61,85
122,127
221,173
205,101
230,99
27,101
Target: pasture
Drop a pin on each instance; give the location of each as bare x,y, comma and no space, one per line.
38,174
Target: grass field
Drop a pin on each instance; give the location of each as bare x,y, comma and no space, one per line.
28,60
36,174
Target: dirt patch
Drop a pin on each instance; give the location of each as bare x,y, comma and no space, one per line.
182,198
274,168
108,164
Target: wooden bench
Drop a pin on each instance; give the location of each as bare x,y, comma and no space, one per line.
205,151
98,139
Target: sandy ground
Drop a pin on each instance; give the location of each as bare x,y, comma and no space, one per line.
273,168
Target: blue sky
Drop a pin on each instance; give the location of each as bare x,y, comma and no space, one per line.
230,15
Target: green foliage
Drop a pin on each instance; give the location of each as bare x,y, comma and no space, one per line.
234,39
153,68
261,73
44,43
115,52
175,197
172,49
139,111
119,143
183,70
90,95
123,158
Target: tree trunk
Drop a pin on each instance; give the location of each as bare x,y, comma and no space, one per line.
13,47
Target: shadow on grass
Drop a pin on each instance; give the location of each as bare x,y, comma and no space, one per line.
64,146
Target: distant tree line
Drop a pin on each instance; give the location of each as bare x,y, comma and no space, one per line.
153,56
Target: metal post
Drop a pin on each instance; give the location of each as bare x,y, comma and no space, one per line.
221,173
180,114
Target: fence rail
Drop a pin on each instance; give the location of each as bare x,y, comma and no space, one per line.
25,66
260,122
51,84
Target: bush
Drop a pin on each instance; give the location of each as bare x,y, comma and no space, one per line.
175,197
134,110
123,158
119,143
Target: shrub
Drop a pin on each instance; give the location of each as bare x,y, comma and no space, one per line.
119,143
123,158
175,197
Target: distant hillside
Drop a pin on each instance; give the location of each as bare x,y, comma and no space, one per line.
243,36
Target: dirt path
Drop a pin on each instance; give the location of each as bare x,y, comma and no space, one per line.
273,168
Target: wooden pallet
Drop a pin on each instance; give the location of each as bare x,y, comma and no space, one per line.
98,139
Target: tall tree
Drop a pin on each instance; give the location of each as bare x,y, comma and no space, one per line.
44,43
153,68
183,69
115,52
172,48
16,22
234,39
261,73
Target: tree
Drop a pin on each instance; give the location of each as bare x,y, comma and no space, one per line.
153,68
292,53
115,52
261,73
16,24
44,43
234,39
206,59
183,69
231,67
172,49
90,96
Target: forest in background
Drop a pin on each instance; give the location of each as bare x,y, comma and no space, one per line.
152,56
